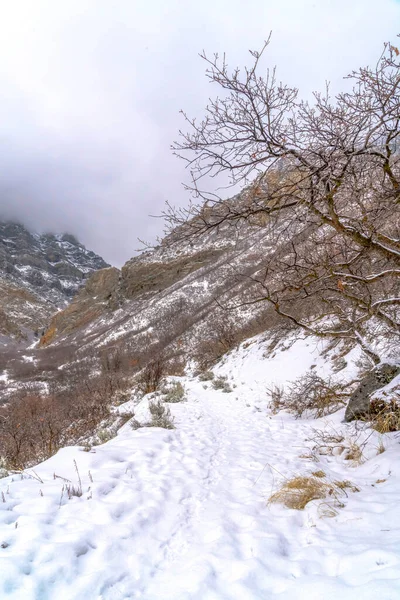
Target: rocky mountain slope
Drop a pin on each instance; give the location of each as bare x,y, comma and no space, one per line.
171,290
39,274
166,296
165,301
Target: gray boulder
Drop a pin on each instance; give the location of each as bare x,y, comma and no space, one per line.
359,402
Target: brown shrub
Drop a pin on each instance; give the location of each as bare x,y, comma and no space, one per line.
32,428
277,395
311,393
151,377
225,331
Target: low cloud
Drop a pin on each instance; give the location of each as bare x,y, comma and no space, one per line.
91,91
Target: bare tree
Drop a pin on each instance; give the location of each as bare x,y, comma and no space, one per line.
325,178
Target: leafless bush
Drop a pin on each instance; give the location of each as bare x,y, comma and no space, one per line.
277,395
33,425
22,370
207,353
327,442
175,366
32,428
135,424
311,394
206,376
226,330
333,443
152,375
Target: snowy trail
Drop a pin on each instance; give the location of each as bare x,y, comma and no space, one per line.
184,515
240,549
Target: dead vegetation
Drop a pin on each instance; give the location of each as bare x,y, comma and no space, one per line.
226,330
385,414
310,395
318,474
151,377
34,424
297,492
333,443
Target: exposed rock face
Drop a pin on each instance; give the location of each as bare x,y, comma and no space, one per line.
98,295
108,289
54,266
38,275
359,402
21,312
139,277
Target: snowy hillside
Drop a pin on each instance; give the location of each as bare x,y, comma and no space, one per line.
163,300
186,513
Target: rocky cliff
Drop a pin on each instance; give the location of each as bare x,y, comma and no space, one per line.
39,275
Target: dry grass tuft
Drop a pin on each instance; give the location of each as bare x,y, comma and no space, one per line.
277,396
309,456
318,474
346,485
354,453
381,447
298,492
385,414
326,509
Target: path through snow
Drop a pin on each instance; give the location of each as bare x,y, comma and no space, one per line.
184,515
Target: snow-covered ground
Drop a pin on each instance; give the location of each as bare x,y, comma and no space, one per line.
183,514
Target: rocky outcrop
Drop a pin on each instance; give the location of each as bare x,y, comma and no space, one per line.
359,403
39,274
108,289
140,276
52,266
22,313
99,295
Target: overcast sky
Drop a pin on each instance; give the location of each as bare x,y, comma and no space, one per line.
90,93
